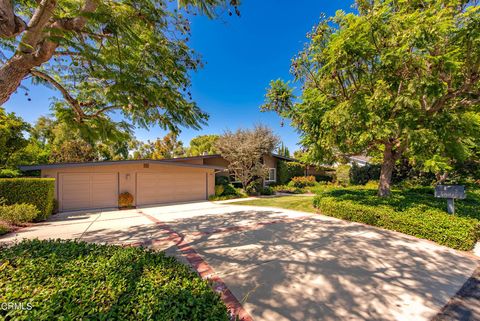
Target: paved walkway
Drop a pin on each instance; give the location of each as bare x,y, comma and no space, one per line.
285,265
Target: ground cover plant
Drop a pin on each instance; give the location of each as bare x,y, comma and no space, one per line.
82,281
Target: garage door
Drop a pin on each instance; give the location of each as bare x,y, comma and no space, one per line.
88,190
157,188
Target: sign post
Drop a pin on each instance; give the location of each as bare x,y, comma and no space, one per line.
451,193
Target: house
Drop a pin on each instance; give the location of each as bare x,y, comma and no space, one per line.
92,185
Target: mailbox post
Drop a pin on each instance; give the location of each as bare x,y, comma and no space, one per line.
451,193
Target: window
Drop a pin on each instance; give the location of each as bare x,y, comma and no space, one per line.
272,174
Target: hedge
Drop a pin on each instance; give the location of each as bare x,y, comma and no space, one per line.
84,281
36,191
18,213
287,170
420,221
342,174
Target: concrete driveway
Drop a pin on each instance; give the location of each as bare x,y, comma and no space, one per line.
285,265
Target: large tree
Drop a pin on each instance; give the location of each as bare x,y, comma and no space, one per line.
203,145
162,148
12,137
395,78
128,57
244,150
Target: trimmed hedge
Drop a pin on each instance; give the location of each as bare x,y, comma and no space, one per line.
342,174
288,189
420,221
84,281
18,213
36,191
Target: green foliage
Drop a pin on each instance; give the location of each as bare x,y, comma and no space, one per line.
219,189
283,150
420,221
287,170
9,173
254,188
203,145
4,228
36,191
12,140
80,281
324,177
267,190
389,79
222,180
360,175
229,190
413,211
302,181
288,189
18,213
342,175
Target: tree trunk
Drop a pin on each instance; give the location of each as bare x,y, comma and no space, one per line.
386,171
12,74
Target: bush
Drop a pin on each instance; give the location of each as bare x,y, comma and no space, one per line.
302,181
36,191
4,228
125,200
222,180
360,175
85,281
9,173
420,221
267,190
254,188
219,190
287,170
288,189
18,213
229,190
342,174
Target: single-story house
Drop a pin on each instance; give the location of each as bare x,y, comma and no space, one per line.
92,185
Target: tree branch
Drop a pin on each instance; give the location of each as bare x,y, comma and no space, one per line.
10,24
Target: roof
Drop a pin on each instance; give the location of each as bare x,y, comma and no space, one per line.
119,162
178,159
289,159
360,158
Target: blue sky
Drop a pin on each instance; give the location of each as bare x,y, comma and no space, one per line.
241,56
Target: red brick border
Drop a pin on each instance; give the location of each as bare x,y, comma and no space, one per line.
203,269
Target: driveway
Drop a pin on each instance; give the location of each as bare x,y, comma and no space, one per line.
285,265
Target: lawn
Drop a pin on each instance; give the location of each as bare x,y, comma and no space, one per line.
82,281
297,203
411,211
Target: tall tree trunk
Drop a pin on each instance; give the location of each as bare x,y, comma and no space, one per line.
386,171
12,73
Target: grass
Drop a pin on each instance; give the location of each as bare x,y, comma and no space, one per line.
80,281
297,203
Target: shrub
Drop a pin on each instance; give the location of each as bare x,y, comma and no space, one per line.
86,281
360,175
420,221
267,190
222,180
219,190
36,191
342,174
4,228
9,173
288,189
287,170
125,200
229,190
302,181
254,188
18,213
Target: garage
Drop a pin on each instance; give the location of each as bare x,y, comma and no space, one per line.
171,186
87,190
97,185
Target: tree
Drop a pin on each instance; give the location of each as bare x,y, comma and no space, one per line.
73,151
125,57
162,148
397,79
203,145
283,150
12,139
244,150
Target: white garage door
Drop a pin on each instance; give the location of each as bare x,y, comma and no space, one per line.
157,188
87,190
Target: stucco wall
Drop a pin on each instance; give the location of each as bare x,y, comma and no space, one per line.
127,174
